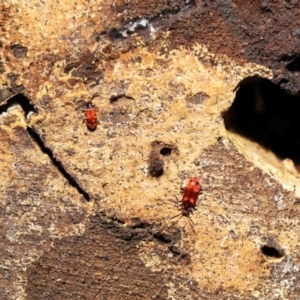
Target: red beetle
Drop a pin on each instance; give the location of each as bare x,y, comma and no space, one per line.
91,117
190,196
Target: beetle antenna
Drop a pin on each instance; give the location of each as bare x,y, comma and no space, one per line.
176,202
164,200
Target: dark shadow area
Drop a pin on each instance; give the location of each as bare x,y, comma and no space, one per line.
119,98
266,114
294,65
164,238
21,100
160,153
35,136
156,165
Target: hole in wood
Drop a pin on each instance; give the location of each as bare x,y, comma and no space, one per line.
294,65
20,100
268,115
160,153
272,252
166,151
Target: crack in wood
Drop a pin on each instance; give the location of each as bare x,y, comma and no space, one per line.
72,181
28,109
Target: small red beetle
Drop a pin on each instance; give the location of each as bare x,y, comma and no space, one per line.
190,196
91,117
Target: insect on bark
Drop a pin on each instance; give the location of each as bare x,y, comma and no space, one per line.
91,117
190,197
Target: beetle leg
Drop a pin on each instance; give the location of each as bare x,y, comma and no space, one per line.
177,216
181,187
176,202
191,220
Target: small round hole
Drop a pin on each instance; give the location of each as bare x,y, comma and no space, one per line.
165,151
114,99
272,252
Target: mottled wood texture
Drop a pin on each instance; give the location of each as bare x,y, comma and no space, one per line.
89,214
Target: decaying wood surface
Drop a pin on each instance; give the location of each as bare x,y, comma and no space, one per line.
89,214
